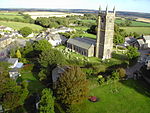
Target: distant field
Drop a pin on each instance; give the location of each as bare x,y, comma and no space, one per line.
10,15
19,25
34,15
139,30
143,20
90,21
135,23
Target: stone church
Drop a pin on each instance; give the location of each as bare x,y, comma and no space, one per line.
101,47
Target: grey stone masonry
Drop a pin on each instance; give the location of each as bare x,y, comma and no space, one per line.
105,32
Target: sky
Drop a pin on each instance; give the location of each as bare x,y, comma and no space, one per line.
121,5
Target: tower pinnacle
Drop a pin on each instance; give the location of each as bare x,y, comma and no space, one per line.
106,9
114,10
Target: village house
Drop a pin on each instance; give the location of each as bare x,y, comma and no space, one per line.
14,73
15,65
4,41
56,73
129,41
143,42
55,39
4,28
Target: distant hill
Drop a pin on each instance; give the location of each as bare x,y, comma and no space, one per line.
119,13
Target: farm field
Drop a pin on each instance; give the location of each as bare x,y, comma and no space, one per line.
123,97
139,30
10,15
135,23
19,25
34,15
143,20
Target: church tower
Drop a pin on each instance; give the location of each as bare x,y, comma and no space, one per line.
105,33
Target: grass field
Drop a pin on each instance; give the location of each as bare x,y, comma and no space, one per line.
135,23
10,15
132,97
139,30
80,28
19,25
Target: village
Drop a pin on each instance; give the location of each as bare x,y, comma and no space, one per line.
60,70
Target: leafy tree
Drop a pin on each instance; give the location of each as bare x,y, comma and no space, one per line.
42,45
27,51
132,52
72,86
46,104
18,54
13,52
42,75
50,58
25,31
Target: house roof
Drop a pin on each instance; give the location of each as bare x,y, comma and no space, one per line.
56,37
57,72
85,43
12,60
140,41
147,37
5,38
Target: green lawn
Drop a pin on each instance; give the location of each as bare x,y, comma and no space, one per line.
132,97
139,30
34,84
19,25
89,35
81,28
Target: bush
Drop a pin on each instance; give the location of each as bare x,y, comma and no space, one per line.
25,31
122,72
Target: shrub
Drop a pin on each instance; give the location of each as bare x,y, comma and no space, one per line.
25,31
122,72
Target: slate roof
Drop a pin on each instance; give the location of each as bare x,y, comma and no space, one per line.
57,72
84,42
2,39
141,42
12,60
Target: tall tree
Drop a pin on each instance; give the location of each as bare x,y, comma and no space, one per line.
50,58
46,104
18,54
72,86
132,52
42,45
